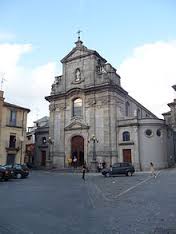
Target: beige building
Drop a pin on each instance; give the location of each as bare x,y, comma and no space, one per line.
13,120
170,119
94,119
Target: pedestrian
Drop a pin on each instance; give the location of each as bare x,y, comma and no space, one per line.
98,167
152,170
104,164
110,167
83,172
69,161
75,161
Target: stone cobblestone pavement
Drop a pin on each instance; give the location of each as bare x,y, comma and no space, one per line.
112,187
56,203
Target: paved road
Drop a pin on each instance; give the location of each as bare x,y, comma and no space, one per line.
55,203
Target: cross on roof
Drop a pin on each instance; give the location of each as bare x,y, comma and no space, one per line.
78,32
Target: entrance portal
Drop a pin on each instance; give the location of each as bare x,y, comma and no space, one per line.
77,149
127,155
43,158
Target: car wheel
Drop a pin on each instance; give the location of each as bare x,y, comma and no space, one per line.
129,173
107,174
18,176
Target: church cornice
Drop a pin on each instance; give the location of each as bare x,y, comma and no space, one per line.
91,89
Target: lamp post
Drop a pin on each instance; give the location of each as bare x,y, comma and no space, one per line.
21,147
94,162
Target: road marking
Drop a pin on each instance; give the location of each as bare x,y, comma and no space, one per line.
135,186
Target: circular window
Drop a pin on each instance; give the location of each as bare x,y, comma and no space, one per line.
158,132
149,132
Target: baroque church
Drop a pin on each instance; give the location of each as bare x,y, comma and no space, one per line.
93,118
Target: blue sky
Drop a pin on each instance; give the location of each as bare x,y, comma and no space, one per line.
113,28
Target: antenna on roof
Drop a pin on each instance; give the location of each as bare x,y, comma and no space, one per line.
2,74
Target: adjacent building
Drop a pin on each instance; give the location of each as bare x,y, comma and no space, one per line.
170,118
42,142
93,118
13,120
37,143
30,145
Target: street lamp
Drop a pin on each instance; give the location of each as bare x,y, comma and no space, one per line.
94,162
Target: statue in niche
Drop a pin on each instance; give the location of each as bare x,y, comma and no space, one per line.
77,75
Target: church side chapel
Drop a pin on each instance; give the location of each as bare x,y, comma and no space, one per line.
93,119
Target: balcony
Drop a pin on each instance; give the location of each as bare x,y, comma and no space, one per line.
11,145
12,149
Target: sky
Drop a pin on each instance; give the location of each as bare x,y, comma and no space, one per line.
137,37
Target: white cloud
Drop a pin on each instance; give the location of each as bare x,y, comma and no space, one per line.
6,36
149,73
24,86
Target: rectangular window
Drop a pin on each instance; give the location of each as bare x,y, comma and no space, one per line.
13,117
77,107
127,108
12,141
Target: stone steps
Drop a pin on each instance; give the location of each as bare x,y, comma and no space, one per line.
67,170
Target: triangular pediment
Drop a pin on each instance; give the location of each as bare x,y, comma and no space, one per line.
76,125
80,51
76,53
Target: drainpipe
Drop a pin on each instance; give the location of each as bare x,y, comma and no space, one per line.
22,134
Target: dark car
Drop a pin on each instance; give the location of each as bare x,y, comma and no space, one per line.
5,174
119,168
19,170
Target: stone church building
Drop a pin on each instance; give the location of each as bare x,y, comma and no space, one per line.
93,118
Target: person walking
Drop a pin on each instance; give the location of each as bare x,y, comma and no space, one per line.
83,172
152,170
99,167
75,162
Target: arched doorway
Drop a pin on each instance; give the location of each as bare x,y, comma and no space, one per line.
77,149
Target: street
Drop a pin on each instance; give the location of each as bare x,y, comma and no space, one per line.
60,203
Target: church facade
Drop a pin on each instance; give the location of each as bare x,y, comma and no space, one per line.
94,119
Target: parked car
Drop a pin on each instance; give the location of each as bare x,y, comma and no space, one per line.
5,174
19,170
119,168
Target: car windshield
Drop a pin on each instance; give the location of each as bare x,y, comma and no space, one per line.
7,166
18,166
116,165
125,165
